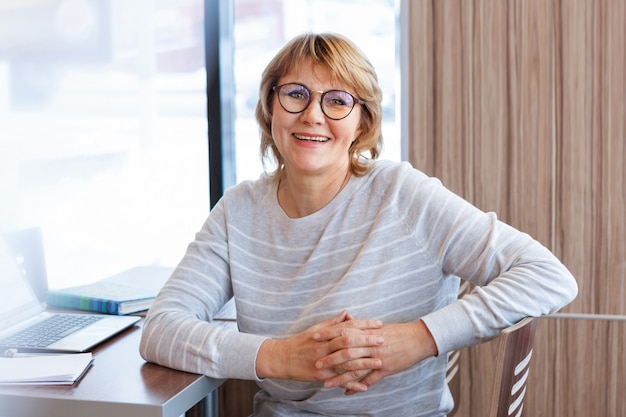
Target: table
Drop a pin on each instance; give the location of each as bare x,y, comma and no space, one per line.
120,383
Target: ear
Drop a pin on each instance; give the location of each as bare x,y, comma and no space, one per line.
364,121
358,131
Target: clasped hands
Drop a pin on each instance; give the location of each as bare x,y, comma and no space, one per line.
344,352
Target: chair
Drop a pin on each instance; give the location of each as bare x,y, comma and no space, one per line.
453,379
515,349
511,371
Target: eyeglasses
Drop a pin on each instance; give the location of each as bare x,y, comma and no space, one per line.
336,104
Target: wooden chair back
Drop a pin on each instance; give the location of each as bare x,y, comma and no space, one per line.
513,358
515,349
453,379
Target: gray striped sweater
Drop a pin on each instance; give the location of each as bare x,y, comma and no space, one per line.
391,245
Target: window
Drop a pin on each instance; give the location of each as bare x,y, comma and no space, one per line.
103,131
103,117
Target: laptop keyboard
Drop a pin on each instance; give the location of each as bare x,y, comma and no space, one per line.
50,330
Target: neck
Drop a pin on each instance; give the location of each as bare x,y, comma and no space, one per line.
302,196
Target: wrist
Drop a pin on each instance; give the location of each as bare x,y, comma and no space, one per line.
426,340
266,366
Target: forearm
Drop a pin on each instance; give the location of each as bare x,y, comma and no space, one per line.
179,341
534,284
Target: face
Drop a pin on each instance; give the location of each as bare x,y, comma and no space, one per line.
310,142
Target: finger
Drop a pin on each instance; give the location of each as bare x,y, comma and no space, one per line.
348,379
372,378
354,387
356,391
349,360
339,318
324,374
355,339
360,324
346,328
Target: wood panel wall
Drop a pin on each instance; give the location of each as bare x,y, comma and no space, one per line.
520,107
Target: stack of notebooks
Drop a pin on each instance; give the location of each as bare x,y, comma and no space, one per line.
128,292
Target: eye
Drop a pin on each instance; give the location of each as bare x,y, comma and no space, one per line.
296,92
338,98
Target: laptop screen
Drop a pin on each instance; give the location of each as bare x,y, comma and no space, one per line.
17,299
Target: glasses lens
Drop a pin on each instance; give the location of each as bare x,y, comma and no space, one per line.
337,104
294,97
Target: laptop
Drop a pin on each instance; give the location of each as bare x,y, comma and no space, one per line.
21,310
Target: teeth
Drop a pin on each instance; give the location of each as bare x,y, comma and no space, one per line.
312,139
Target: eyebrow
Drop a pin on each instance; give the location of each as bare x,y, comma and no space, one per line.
347,90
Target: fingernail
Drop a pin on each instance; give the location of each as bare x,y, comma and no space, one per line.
380,340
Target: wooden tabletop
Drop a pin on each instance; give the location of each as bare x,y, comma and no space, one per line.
119,383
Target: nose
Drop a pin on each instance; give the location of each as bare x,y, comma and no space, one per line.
313,114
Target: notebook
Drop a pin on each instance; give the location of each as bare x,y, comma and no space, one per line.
20,310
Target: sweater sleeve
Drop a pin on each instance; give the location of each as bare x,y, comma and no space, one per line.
514,275
179,331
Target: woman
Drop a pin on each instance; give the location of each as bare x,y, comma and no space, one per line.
344,269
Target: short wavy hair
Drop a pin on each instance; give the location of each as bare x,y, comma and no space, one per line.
348,65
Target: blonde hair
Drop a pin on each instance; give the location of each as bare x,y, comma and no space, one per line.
347,64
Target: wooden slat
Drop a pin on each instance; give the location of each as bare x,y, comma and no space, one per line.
574,196
420,83
531,107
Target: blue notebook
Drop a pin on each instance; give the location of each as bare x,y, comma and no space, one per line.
128,292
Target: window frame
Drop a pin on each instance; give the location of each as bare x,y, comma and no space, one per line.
220,99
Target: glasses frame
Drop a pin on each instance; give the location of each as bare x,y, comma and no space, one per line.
355,100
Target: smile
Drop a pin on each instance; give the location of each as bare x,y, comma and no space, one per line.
312,138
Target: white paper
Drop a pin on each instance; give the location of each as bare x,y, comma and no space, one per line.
44,369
